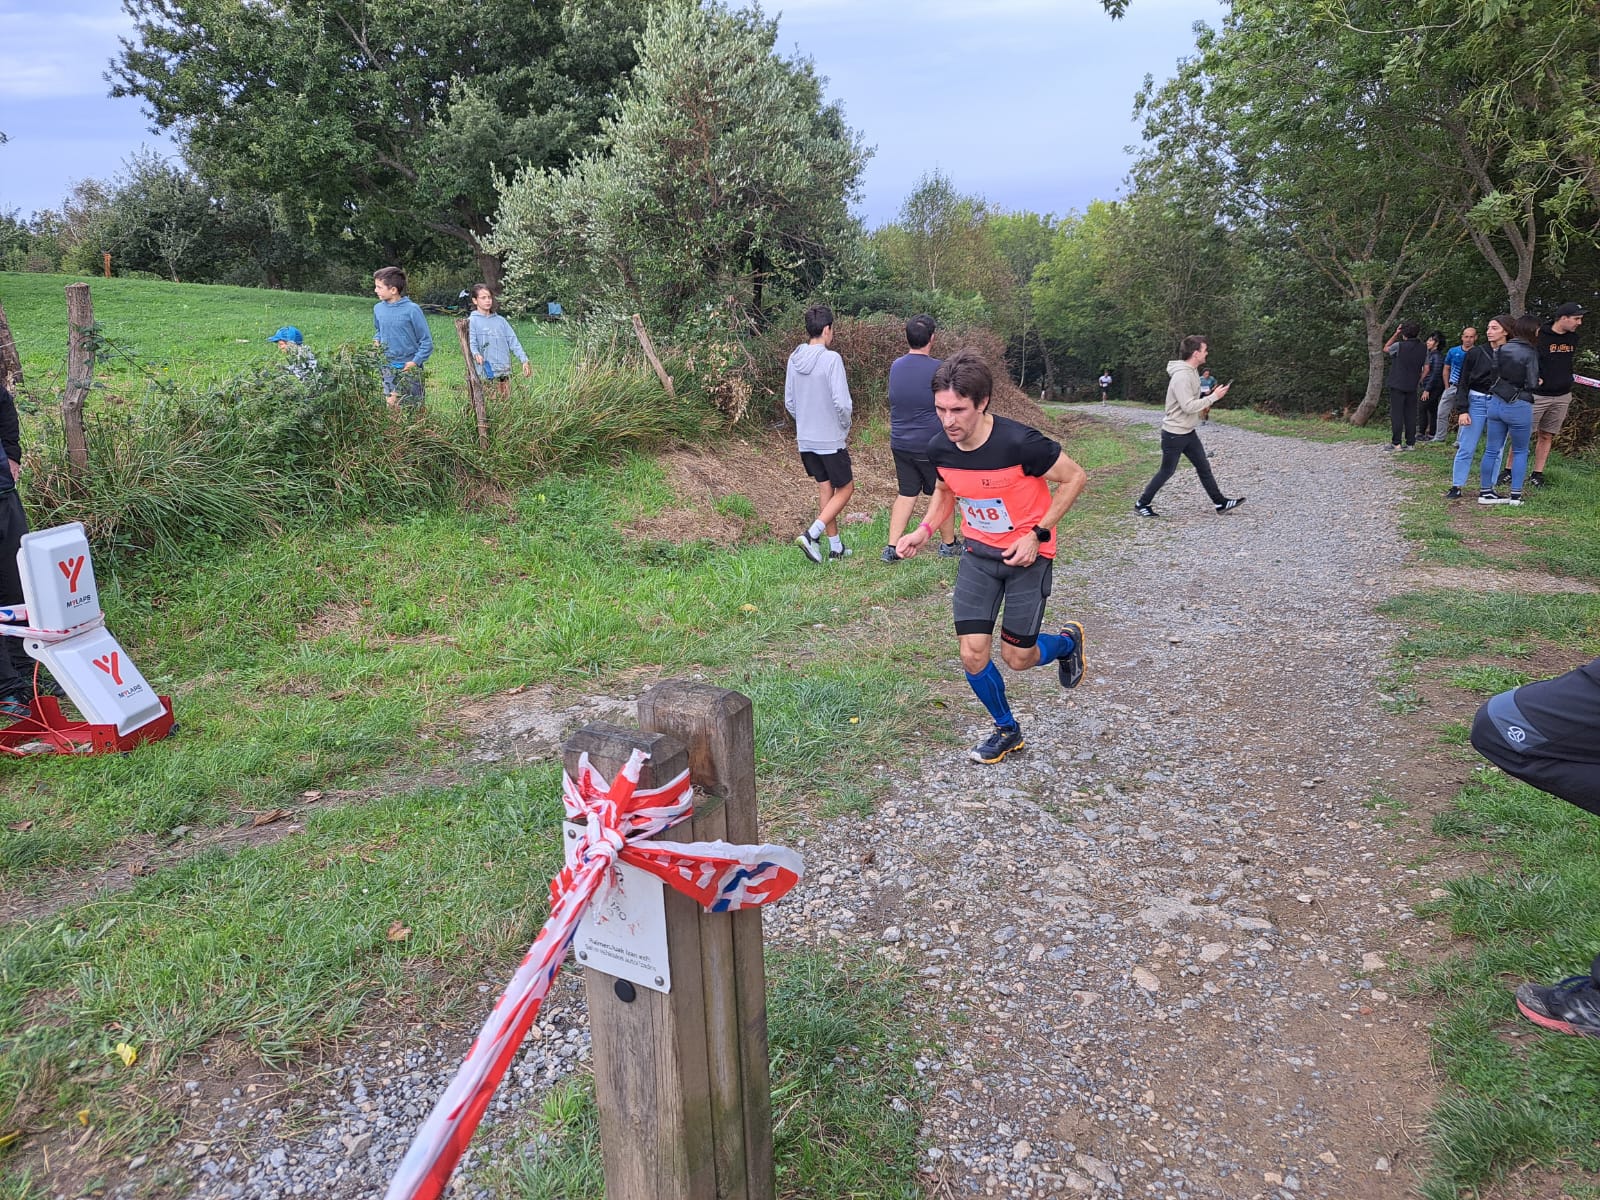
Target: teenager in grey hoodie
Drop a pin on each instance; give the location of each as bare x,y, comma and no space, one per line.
818,398
1178,438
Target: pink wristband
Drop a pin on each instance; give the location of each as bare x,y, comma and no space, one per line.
929,528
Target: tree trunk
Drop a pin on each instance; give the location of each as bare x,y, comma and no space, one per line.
80,376
489,268
10,360
1377,364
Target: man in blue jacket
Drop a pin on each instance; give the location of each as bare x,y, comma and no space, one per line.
400,332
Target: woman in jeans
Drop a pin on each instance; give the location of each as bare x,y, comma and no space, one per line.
1510,407
1471,409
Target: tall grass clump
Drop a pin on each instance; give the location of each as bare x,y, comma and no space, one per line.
264,451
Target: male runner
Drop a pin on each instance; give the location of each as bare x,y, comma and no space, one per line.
1000,472
912,422
818,398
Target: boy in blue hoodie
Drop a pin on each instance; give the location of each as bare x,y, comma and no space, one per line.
400,331
818,398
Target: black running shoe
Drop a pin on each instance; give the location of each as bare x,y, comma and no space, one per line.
1070,668
1491,497
889,555
997,745
1571,1006
810,547
837,555
1536,479
1144,510
1453,494
950,549
1230,505
1505,477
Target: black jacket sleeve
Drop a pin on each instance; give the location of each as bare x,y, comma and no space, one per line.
10,427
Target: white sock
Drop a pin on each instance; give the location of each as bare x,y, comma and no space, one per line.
835,543
815,531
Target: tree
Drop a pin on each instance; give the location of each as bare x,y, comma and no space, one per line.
722,176
1021,241
388,118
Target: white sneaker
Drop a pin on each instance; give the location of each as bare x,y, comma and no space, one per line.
1492,498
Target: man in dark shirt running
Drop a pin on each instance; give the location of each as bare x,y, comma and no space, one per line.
1001,474
912,423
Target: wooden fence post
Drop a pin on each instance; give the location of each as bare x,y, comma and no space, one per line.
681,1078
474,385
643,335
80,376
10,359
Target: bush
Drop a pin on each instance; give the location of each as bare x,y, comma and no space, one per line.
266,451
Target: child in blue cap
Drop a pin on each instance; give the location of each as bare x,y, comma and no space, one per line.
300,363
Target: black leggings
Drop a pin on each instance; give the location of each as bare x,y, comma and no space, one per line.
1548,734
1403,415
1182,445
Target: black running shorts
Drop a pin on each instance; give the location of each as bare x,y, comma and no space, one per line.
983,583
828,468
914,474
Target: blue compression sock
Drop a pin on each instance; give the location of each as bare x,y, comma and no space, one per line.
1053,646
991,690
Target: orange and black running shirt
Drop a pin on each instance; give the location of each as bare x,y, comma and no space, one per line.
1000,487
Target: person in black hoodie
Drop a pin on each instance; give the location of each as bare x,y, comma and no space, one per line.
1407,369
1510,408
16,688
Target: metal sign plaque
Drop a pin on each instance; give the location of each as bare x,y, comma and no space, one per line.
626,935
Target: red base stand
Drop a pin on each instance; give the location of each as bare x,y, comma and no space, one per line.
47,731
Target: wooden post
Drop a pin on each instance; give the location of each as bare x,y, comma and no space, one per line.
643,335
474,385
80,376
107,255
718,726
681,1079
650,1067
10,359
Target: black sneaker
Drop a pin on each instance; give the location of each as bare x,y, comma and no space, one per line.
1230,505
1536,479
809,546
1490,498
950,549
1505,477
1144,510
1070,668
997,745
1571,1006
836,555
1514,498
1453,494
889,555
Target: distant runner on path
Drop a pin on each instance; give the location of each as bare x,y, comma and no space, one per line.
912,422
1105,386
818,398
1178,438
1001,473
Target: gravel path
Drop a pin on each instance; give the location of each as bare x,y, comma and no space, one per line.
1152,950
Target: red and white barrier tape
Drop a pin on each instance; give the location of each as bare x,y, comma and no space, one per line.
720,876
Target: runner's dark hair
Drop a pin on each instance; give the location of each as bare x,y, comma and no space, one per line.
1437,338
1525,328
390,277
1190,345
1409,329
967,375
818,318
919,331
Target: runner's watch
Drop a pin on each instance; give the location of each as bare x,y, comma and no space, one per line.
1043,534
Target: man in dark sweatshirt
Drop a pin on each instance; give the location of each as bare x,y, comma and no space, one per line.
1408,366
16,668
1558,342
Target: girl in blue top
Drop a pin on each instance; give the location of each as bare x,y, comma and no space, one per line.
493,341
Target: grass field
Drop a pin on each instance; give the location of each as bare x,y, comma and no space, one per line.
322,672
195,334
1514,1095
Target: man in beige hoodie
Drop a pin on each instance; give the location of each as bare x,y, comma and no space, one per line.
1178,438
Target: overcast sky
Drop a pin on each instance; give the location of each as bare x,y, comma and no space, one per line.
1027,102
